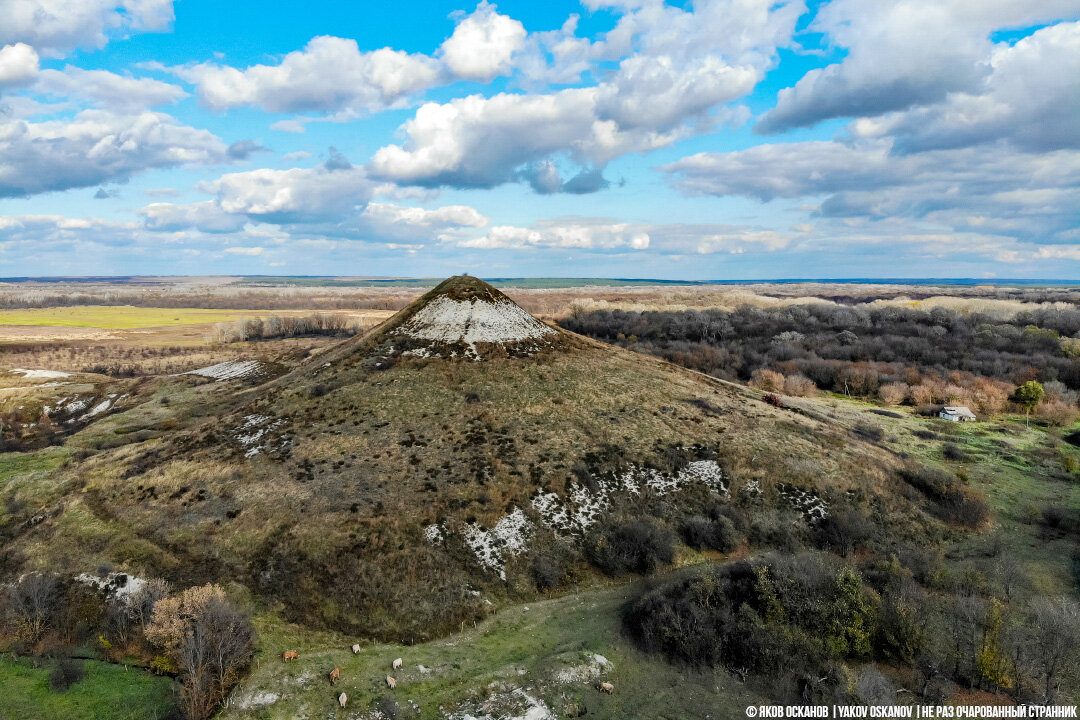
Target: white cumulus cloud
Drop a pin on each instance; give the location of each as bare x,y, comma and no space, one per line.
291,195
677,68
902,53
18,64
206,216
97,146
483,44
107,89
1030,97
331,74
56,27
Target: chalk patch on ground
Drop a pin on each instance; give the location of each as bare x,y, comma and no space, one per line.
708,472
493,546
810,504
98,409
114,584
583,507
228,370
588,671
434,534
448,321
256,699
254,432
41,374
506,703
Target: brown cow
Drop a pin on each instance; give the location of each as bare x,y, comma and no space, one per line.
334,675
289,655
607,688
341,699
391,682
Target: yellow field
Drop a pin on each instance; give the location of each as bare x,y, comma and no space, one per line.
127,317
121,317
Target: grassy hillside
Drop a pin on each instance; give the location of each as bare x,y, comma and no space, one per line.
527,645
317,489
543,654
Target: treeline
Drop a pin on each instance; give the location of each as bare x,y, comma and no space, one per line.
196,635
278,326
901,354
220,300
798,619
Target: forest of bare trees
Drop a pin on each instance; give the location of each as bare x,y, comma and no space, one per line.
893,353
277,326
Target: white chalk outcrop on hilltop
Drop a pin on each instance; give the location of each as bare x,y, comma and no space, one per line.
449,321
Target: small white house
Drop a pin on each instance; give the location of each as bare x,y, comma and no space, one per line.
956,413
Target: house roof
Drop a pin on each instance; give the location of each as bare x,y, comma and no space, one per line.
958,410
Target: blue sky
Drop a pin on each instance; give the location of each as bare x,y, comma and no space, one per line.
720,139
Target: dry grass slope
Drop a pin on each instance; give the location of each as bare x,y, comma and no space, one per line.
318,489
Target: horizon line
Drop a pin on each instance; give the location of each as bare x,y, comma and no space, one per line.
683,281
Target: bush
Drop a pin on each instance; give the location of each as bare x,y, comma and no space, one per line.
774,400
952,451
65,673
799,386
843,530
546,570
1058,520
768,380
902,634
773,528
161,665
1056,413
635,546
893,393
696,532
967,508
872,688
34,604
871,433
777,616
714,534
953,502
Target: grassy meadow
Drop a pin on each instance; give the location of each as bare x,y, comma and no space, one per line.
547,649
118,317
107,692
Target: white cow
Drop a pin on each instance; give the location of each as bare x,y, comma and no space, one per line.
356,648
397,664
341,699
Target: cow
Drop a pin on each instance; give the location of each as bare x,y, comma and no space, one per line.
397,664
356,648
607,687
391,682
289,655
334,675
341,700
